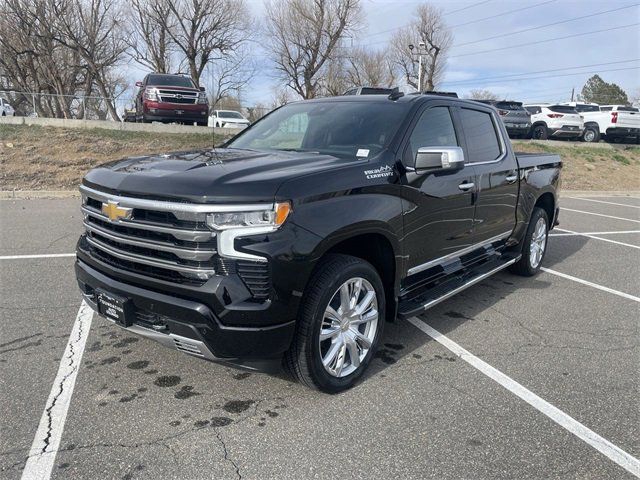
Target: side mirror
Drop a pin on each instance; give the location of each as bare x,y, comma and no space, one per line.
439,158
202,89
138,84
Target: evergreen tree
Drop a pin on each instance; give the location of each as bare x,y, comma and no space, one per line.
597,90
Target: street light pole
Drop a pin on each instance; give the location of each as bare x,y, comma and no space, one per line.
419,72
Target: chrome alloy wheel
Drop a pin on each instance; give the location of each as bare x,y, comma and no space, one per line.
538,243
589,135
349,327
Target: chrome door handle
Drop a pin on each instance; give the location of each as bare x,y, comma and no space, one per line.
466,186
511,178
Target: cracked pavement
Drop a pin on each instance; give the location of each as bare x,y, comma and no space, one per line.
140,410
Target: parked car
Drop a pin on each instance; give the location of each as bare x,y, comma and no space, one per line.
610,122
369,91
516,119
171,98
559,121
129,115
308,231
6,110
228,119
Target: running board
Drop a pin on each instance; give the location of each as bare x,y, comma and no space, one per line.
419,304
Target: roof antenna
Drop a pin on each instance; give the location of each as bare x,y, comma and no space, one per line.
395,94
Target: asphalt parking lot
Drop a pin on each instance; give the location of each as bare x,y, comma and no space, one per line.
564,344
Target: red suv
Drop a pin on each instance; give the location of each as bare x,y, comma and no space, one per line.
171,98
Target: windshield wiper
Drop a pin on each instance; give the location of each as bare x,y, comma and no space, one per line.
303,150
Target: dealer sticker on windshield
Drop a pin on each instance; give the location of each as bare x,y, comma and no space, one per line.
362,152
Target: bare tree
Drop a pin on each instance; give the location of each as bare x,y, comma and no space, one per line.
148,37
370,68
230,74
428,28
481,94
206,30
92,29
305,35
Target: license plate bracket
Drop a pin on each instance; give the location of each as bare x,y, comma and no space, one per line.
115,308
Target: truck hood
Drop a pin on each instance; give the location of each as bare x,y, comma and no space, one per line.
209,176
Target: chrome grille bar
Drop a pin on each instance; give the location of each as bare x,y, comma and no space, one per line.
200,255
133,257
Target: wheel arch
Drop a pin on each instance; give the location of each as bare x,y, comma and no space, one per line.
547,201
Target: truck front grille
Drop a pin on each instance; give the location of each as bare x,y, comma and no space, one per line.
178,96
168,241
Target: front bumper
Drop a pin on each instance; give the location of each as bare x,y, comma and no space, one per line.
190,326
162,112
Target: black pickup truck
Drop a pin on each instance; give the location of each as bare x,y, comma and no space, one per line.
297,240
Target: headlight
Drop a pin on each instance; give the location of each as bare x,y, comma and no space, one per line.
202,98
264,218
152,94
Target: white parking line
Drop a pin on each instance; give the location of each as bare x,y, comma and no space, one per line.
602,201
604,446
617,232
599,214
47,440
23,257
571,232
591,284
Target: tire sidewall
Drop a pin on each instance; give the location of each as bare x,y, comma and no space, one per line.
526,251
321,377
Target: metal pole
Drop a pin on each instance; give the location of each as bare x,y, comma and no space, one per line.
33,101
419,72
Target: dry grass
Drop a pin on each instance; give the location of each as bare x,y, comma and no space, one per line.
47,158
601,167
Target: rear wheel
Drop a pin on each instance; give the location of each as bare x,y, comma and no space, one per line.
534,244
340,325
540,132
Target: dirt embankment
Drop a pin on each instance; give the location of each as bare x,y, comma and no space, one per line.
47,158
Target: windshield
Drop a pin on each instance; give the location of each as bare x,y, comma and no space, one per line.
563,109
223,114
627,109
343,129
169,81
509,106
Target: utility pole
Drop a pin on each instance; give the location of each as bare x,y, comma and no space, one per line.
573,90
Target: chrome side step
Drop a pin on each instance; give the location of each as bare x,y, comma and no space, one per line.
420,303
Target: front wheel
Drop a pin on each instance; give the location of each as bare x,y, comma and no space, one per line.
340,325
591,135
534,244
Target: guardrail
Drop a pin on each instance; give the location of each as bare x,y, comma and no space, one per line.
109,125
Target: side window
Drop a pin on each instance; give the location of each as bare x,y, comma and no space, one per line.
434,129
483,144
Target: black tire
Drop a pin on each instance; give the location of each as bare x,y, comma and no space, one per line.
540,132
304,358
591,135
202,124
524,266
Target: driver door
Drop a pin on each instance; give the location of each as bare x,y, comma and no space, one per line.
438,206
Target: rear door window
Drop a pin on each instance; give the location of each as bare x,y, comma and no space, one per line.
483,144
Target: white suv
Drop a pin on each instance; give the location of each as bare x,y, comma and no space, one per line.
227,119
6,110
549,120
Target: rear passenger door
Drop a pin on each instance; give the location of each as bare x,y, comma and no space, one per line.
496,174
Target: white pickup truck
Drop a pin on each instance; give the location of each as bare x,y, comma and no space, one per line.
610,122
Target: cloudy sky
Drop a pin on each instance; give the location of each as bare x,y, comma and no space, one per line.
605,43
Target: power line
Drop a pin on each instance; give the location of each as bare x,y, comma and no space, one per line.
566,74
544,41
467,7
445,14
503,14
547,25
462,82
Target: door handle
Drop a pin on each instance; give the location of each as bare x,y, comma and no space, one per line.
466,186
511,178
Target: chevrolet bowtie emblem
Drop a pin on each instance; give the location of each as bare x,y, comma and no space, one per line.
115,212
